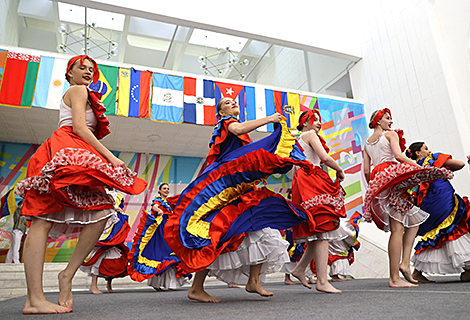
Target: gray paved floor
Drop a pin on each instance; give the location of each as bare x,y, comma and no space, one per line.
361,299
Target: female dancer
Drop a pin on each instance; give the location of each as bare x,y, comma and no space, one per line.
386,200
445,244
322,198
64,189
261,250
150,257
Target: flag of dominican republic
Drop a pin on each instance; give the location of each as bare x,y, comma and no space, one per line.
107,86
167,98
134,93
19,79
199,101
51,83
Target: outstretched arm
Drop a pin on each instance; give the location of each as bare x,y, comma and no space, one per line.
366,165
454,165
78,97
248,126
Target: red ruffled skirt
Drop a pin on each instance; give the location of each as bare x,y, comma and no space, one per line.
66,179
387,193
323,201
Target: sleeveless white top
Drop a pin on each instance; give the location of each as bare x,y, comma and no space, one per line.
380,151
65,116
309,152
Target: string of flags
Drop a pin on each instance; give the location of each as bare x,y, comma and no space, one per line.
39,81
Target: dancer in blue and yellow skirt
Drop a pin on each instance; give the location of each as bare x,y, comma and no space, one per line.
444,247
219,223
150,257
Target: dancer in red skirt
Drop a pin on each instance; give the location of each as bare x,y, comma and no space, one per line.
64,189
386,200
322,198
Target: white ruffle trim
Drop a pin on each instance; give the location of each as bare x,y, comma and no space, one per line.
167,280
337,235
340,267
264,246
94,269
70,221
452,257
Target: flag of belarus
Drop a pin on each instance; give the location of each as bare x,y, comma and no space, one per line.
19,79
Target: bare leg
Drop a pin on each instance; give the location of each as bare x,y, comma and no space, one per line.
253,285
299,270
33,254
109,286
94,285
418,275
408,240
321,261
235,286
312,280
287,280
196,292
87,241
395,244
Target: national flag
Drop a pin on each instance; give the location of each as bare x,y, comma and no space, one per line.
3,59
167,98
19,79
107,85
199,101
270,106
133,93
293,109
260,107
227,90
8,203
51,83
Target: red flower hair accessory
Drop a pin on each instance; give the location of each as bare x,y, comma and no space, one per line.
379,116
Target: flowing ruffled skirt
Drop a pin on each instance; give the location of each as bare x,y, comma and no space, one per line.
323,201
215,211
168,280
387,195
264,246
151,257
444,247
65,183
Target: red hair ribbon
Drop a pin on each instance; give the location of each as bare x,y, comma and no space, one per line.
379,116
311,116
96,71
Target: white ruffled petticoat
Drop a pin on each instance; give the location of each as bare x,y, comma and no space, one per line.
337,235
94,269
264,246
340,267
167,280
70,221
452,257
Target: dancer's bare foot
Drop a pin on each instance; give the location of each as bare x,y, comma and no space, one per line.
301,277
109,287
400,283
95,290
257,288
326,287
235,286
44,307
65,290
201,295
465,276
311,280
336,278
418,275
288,281
406,273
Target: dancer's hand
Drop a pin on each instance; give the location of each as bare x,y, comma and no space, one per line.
276,118
340,176
115,161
